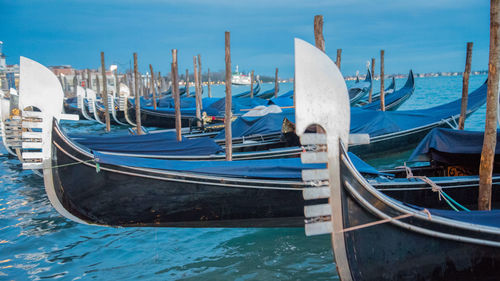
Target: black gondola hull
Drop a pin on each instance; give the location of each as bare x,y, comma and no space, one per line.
402,251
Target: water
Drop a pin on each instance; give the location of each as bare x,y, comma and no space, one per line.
37,243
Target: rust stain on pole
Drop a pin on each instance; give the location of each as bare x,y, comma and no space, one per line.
465,87
137,98
318,32
373,78
382,94
490,130
105,93
228,116
177,98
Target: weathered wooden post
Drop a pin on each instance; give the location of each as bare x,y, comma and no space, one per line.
117,83
373,78
200,78
197,92
382,94
160,83
137,97
465,87
490,130
105,94
318,32
187,84
251,84
153,88
339,56
276,83
89,80
228,116
98,83
177,98
208,84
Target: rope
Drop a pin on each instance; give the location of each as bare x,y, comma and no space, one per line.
383,221
97,166
435,188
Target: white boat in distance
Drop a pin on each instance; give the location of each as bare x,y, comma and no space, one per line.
239,78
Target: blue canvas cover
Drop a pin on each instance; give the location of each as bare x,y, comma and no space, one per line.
151,144
450,141
377,123
486,218
263,125
374,123
286,168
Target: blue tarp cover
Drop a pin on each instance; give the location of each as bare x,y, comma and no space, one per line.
377,123
287,168
450,141
262,125
151,144
486,218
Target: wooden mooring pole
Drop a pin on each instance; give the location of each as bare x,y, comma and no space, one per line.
177,98
318,32
339,56
251,84
228,116
89,80
197,91
382,94
137,97
153,87
105,93
208,84
200,78
276,83
187,84
373,78
465,87
117,83
490,130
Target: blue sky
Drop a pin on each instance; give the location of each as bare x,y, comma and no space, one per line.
423,35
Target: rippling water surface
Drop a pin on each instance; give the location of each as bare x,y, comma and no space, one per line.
37,243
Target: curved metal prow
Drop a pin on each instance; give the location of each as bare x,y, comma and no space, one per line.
410,82
127,117
82,96
112,109
324,104
5,121
40,101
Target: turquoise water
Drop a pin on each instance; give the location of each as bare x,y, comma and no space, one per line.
37,243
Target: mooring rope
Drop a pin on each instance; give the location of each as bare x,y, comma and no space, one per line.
435,188
361,226
97,166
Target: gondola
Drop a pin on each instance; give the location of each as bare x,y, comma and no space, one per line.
374,236
395,99
376,96
246,94
267,94
360,89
